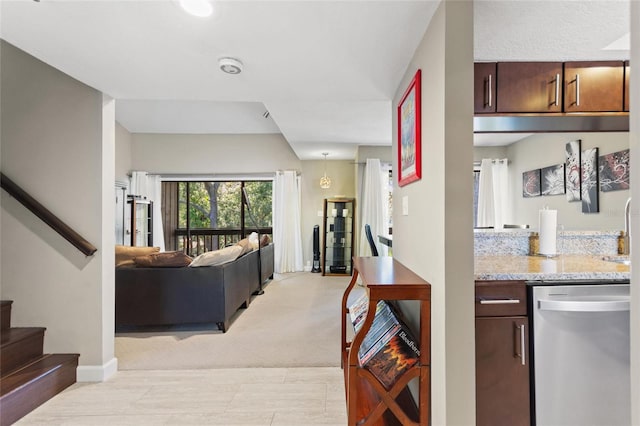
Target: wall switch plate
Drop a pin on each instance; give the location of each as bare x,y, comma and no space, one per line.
405,205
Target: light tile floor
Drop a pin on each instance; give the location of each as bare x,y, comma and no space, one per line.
234,397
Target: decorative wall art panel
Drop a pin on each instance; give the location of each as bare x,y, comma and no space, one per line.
572,170
531,183
552,180
590,181
614,171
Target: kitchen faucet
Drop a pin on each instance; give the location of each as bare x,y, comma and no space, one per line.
627,227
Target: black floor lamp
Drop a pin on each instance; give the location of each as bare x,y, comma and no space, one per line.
245,197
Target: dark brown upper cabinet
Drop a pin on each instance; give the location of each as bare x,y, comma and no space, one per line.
524,87
627,72
484,87
594,86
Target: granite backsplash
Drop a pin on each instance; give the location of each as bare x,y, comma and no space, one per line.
522,242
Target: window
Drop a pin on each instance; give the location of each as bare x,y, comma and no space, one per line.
200,216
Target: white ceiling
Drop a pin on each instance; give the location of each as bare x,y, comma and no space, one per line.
326,71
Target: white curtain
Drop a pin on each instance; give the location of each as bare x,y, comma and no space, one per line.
493,194
374,207
287,233
139,184
150,187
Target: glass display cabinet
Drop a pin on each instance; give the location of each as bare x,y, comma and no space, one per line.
337,242
141,225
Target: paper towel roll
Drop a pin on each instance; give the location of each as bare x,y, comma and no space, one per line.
548,220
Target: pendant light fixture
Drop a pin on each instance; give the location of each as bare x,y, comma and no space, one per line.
325,182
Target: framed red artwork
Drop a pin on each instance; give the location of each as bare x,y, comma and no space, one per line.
409,142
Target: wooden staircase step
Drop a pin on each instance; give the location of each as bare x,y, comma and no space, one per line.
5,314
26,388
19,346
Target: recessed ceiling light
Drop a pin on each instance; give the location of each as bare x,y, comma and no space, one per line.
199,8
230,65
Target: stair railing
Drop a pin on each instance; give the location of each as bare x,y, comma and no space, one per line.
46,216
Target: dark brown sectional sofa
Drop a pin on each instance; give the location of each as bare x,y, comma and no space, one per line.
148,297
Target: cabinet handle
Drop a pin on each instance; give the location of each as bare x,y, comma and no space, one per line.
499,301
489,90
577,81
522,353
522,345
557,92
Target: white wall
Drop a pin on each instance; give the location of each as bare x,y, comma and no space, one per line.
547,149
435,239
53,146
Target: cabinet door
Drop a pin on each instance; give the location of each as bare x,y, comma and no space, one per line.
502,372
529,87
593,86
627,72
484,87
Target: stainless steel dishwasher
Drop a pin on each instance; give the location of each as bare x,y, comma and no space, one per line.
580,353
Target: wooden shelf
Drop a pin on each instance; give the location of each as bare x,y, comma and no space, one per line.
368,402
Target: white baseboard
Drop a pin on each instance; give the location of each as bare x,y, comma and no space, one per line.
97,373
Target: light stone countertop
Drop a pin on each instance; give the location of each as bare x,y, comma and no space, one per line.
562,267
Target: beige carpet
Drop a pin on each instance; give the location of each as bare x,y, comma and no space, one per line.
295,323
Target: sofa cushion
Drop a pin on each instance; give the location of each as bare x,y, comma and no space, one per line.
246,246
168,259
264,240
218,257
126,254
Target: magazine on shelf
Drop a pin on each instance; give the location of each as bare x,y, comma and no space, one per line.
382,322
358,308
362,315
395,353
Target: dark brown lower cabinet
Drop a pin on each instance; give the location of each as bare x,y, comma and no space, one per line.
502,354
502,374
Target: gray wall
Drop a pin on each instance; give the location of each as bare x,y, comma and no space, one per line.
489,152
342,183
243,155
57,144
212,154
435,239
123,153
547,149
634,122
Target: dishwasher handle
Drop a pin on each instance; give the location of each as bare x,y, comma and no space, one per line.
582,305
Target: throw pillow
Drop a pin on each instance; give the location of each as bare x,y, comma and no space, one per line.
264,240
253,240
217,257
126,254
168,259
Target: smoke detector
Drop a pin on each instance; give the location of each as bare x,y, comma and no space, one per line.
230,65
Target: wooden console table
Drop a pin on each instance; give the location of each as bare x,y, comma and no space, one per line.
368,402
